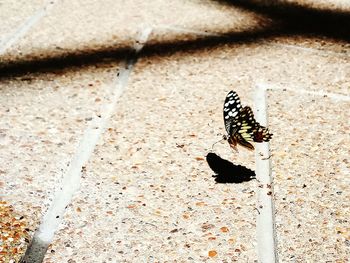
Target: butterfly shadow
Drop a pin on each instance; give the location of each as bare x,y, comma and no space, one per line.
228,173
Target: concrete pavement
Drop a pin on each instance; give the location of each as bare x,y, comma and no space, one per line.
103,150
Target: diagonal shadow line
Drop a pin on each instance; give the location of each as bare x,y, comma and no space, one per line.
86,58
197,45
301,20
66,62
289,19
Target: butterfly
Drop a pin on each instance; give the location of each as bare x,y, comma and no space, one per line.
240,124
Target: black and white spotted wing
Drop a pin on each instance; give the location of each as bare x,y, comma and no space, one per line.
232,108
240,124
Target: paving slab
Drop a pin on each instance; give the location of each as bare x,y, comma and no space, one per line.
42,120
91,31
20,12
148,192
148,183
311,176
286,64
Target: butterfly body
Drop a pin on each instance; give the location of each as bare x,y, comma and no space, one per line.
240,124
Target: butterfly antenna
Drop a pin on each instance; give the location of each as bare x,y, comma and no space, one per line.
224,138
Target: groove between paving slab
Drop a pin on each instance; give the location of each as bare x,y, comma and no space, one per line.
26,26
71,181
312,50
266,236
334,96
187,30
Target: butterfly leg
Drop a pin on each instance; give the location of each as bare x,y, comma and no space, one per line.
233,143
234,148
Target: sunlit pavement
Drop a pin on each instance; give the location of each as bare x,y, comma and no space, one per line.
109,110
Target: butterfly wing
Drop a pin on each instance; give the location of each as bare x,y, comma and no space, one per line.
245,133
232,108
250,129
243,141
240,124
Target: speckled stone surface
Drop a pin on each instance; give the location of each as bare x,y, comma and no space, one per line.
107,27
15,13
147,193
148,183
311,170
42,120
14,234
148,174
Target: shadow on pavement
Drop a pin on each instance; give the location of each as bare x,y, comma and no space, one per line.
287,19
227,172
296,19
